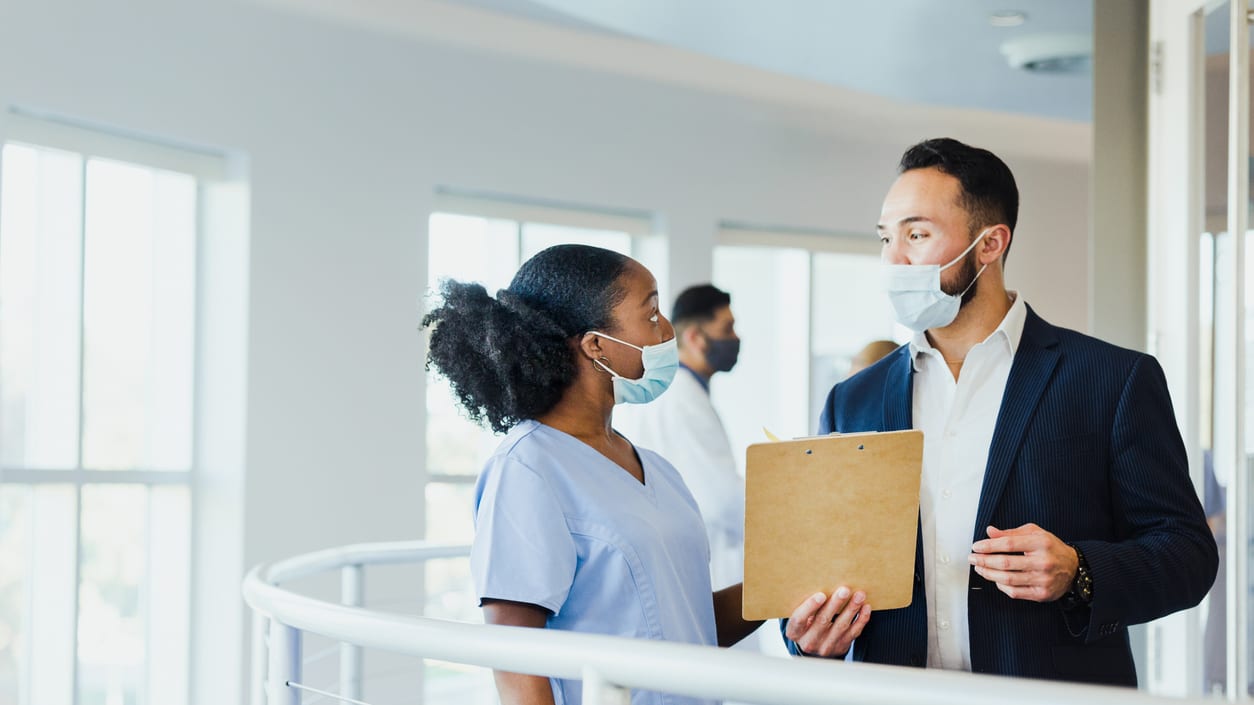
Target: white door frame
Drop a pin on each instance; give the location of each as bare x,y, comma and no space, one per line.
1176,204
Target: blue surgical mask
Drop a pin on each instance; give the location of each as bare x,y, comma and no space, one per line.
916,294
660,362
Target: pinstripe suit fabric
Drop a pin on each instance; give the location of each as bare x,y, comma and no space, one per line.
1086,446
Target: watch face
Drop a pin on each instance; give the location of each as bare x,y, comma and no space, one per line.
1081,591
1083,586
1086,588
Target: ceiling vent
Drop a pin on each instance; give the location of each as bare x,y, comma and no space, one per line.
1050,53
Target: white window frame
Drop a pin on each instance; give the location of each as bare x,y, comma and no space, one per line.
207,168
830,241
813,241
640,225
637,223
1176,217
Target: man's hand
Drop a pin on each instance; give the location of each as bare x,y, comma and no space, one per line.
1027,563
826,627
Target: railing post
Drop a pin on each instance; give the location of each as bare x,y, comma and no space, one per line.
352,594
258,677
284,665
598,691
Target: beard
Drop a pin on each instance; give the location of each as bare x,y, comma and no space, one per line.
963,280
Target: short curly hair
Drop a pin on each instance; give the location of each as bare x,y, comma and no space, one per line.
510,358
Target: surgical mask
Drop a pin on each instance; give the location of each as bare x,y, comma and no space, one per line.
916,294
722,353
660,362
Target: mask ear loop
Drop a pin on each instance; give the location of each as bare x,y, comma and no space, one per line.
973,281
623,342
616,340
605,367
965,252
602,365
970,247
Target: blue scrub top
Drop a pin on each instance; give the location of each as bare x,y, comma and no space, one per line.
561,526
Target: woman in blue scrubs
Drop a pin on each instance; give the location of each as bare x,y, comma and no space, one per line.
575,528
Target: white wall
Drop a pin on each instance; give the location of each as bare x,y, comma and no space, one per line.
348,133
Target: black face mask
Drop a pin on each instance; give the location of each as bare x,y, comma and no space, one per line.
722,353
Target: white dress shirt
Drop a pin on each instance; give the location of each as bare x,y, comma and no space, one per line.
957,419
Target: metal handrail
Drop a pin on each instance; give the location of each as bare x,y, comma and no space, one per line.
683,669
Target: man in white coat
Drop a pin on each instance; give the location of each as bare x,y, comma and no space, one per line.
682,426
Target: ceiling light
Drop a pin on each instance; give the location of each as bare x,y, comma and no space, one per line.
1050,53
1007,18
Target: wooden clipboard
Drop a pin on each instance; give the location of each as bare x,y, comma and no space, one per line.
828,511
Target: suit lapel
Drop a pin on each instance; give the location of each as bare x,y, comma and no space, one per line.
899,392
899,416
1030,373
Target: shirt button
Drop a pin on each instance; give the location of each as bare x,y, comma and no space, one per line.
944,625
947,494
951,433
944,559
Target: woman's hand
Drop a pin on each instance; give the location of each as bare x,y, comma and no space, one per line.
826,627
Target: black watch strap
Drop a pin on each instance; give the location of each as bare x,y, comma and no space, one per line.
1081,592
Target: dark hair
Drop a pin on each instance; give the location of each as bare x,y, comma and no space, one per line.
698,304
511,358
989,194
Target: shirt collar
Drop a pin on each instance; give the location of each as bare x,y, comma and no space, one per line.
1010,330
705,383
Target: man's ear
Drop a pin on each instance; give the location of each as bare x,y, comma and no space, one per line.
690,338
994,245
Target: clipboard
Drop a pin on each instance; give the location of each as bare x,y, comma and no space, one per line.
828,511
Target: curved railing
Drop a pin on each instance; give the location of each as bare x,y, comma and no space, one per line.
609,666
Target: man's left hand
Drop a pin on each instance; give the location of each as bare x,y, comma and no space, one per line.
1026,563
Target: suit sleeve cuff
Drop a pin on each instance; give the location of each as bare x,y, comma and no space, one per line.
1102,617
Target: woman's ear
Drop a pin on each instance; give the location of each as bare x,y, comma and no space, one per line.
590,345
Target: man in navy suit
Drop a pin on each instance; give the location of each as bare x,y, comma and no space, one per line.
1056,507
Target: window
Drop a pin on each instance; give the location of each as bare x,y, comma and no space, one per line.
487,250
98,302
486,241
805,304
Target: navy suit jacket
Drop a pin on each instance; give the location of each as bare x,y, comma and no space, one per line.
1085,446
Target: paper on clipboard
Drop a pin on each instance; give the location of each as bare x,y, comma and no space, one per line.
828,511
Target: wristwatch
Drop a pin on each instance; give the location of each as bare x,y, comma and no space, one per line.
1081,592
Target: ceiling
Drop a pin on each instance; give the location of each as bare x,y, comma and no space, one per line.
935,52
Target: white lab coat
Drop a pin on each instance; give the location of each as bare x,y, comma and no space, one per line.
683,427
